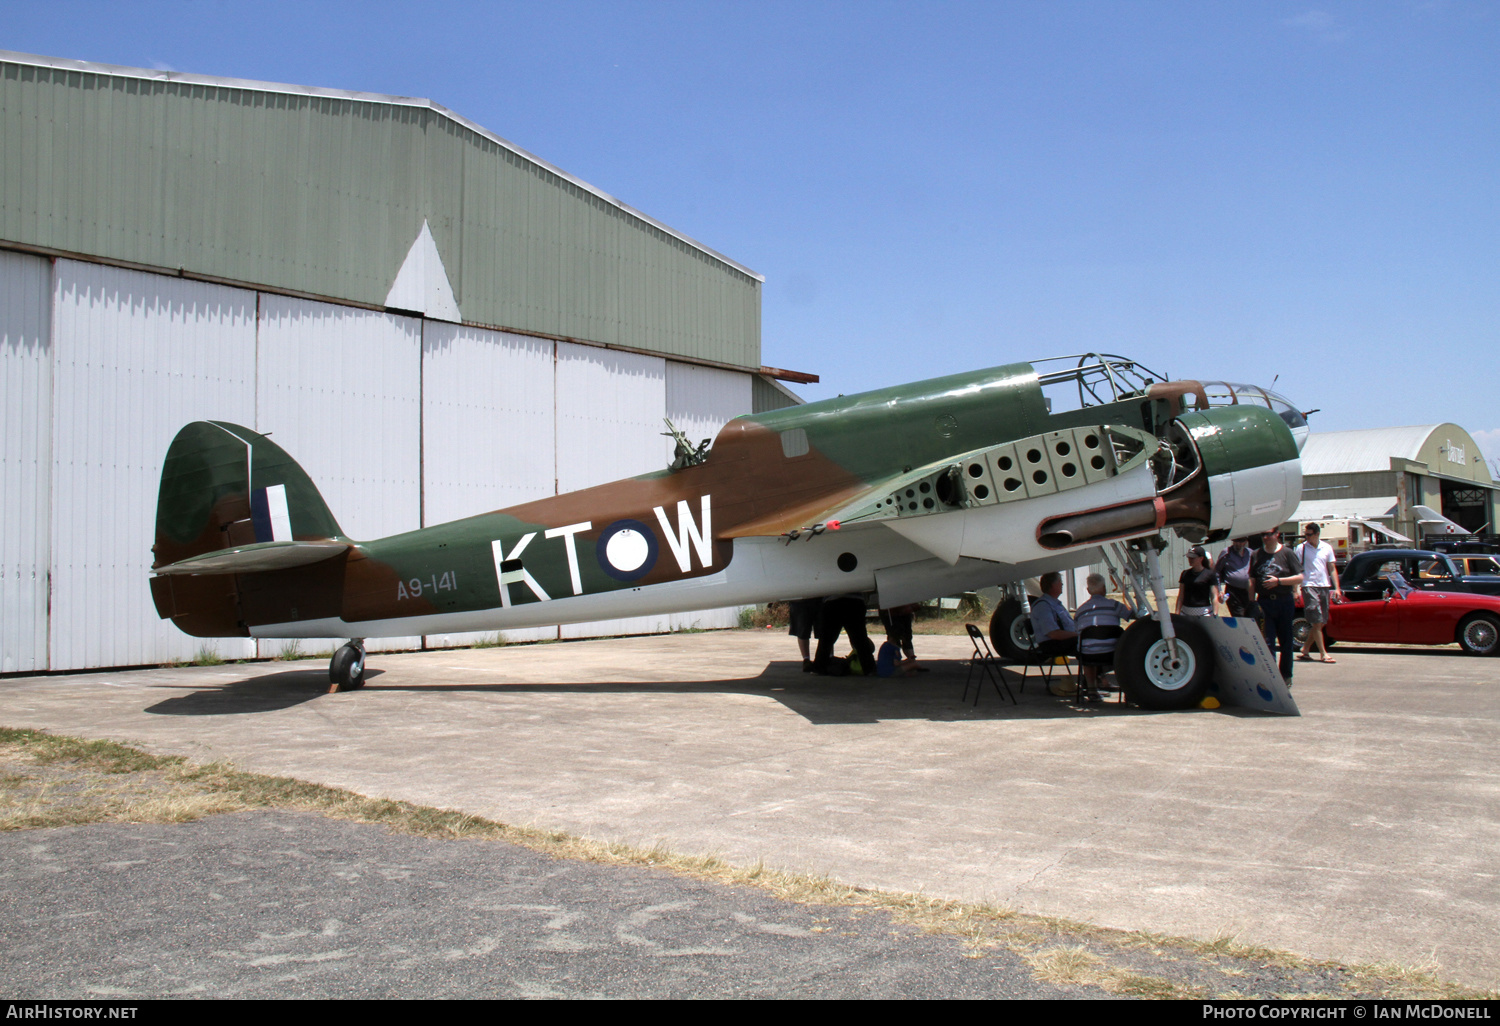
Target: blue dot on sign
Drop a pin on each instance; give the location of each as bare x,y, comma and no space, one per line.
1264,692
1229,621
1248,657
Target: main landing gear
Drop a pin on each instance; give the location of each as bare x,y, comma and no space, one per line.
1162,661
346,671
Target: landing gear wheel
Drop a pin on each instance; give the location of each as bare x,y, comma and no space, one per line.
1479,634
347,668
1010,633
1149,674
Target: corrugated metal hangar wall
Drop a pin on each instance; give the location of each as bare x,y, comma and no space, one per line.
401,419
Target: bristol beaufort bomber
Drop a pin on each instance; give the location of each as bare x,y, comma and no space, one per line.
905,493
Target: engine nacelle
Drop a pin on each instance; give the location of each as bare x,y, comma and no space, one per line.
1252,467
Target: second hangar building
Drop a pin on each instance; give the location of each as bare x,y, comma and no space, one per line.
432,321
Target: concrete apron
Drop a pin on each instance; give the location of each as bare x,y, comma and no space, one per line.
1364,830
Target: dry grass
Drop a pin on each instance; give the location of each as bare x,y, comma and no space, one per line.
48,780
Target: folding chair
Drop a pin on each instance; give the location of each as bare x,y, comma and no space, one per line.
1044,658
1101,660
984,660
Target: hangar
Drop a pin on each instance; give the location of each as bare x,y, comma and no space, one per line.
1383,474
433,321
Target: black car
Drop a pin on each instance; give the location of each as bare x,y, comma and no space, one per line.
1364,577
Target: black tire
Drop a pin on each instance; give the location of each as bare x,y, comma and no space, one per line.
1010,633
1479,634
347,668
1145,671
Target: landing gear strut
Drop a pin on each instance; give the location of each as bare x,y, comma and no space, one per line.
346,671
1162,661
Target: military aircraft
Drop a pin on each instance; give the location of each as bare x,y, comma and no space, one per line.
904,493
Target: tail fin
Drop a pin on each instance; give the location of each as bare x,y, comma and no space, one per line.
225,486
233,502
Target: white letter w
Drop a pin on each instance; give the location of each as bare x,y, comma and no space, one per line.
677,540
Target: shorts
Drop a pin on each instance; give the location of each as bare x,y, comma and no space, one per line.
1197,611
803,614
1315,605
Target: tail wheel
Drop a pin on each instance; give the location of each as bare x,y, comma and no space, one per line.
1153,676
347,668
1479,634
1010,633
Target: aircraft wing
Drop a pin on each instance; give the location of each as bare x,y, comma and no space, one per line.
274,555
1017,470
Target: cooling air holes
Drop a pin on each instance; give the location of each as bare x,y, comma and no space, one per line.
1069,470
910,494
927,503
1097,462
911,505
847,562
1033,455
1062,448
1004,463
1040,477
981,492
1012,484
924,487
1091,441
976,469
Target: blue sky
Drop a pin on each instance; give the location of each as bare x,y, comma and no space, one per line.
1237,190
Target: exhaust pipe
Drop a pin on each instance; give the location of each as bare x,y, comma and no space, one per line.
1109,522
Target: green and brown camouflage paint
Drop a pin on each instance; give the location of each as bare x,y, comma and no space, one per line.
766,475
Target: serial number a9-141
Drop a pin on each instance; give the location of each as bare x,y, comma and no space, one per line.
416,587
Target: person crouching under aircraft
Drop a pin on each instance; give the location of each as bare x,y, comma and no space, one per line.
1055,632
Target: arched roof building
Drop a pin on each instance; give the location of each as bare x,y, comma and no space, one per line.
1382,474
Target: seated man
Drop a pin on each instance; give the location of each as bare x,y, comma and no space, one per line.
1098,611
1055,632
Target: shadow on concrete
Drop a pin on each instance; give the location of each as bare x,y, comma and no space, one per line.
266,693
933,696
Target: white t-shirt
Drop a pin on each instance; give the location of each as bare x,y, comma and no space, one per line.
1315,563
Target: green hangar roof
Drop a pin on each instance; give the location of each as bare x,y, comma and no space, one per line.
380,201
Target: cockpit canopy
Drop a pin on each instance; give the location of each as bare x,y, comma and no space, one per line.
1229,393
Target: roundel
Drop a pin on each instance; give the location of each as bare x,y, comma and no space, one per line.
626,550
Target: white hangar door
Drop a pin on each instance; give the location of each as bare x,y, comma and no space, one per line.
136,356
340,391
25,459
700,401
488,432
609,425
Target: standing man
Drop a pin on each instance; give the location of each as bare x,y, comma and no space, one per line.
802,615
1320,579
1233,570
1275,573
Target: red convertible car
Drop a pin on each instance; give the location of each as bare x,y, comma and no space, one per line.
1407,616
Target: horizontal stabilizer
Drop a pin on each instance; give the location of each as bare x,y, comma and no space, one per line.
247,559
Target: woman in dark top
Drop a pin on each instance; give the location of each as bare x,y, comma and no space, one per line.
1198,587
